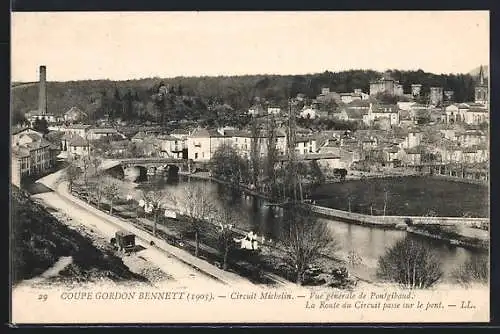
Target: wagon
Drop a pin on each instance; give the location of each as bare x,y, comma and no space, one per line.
125,241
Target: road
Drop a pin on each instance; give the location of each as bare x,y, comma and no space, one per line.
178,270
182,266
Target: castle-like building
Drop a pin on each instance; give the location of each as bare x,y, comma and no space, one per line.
386,85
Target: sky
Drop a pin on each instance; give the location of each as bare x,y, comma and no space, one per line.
128,45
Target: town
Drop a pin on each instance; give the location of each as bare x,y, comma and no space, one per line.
282,151
429,134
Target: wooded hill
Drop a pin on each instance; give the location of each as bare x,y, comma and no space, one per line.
196,97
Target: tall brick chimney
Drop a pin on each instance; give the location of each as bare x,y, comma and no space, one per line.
42,93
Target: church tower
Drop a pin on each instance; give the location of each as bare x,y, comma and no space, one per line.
481,89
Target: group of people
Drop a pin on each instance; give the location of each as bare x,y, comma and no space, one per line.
249,241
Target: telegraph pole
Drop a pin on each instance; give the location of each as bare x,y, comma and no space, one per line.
292,159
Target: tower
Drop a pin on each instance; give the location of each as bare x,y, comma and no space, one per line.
42,91
415,90
481,89
436,96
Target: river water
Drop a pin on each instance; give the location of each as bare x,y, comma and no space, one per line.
368,243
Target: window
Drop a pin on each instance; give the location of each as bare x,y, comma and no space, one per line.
196,155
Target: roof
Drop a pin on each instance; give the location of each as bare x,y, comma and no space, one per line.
200,133
103,130
20,152
18,129
359,103
179,132
139,135
475,109
414,150
384,108
74,111
237,133
77,140
354,113
167,137
79,126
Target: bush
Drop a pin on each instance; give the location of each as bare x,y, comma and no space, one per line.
475,269
411,264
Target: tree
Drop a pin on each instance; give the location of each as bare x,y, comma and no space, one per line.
229,166
198,207
72,174
475,269
272,155
225,234
156,200
316,173
305,239
111,192
386,198
41,125
411,264
254,152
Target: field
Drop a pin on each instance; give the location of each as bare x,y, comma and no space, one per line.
412,196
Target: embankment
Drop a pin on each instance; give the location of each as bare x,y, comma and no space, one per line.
39,241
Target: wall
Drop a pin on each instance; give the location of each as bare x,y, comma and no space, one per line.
392,221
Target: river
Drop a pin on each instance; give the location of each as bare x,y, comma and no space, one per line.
368,243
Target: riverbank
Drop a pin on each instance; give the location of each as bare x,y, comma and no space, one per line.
269,261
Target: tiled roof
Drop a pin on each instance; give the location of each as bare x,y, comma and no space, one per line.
237,133
103,130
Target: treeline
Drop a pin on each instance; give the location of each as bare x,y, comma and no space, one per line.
212,97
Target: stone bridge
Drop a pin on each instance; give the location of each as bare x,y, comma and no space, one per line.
146,166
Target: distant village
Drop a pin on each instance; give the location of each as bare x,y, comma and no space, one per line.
438,136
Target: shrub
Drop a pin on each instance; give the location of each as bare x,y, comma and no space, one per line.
475,269
411,264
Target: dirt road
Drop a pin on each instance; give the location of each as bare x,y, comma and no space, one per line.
77,216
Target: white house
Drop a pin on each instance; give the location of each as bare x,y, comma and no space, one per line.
377,111
308,112
78,147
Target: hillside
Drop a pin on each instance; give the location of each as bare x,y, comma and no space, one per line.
39,241
197,97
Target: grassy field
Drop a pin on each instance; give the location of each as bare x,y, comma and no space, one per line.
413,196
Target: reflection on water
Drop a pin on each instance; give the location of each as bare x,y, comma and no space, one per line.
367,242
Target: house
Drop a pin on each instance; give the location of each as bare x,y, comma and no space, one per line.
412,156
453,115
138,137
74,115
73,129
412,139
470,138
241,141
305,145
475,115
78,147
256,110
351,114
273,110
349,97
377,111
171,146
33,115
199,145
308,112
31,154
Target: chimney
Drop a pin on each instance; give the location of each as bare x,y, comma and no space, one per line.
42,93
